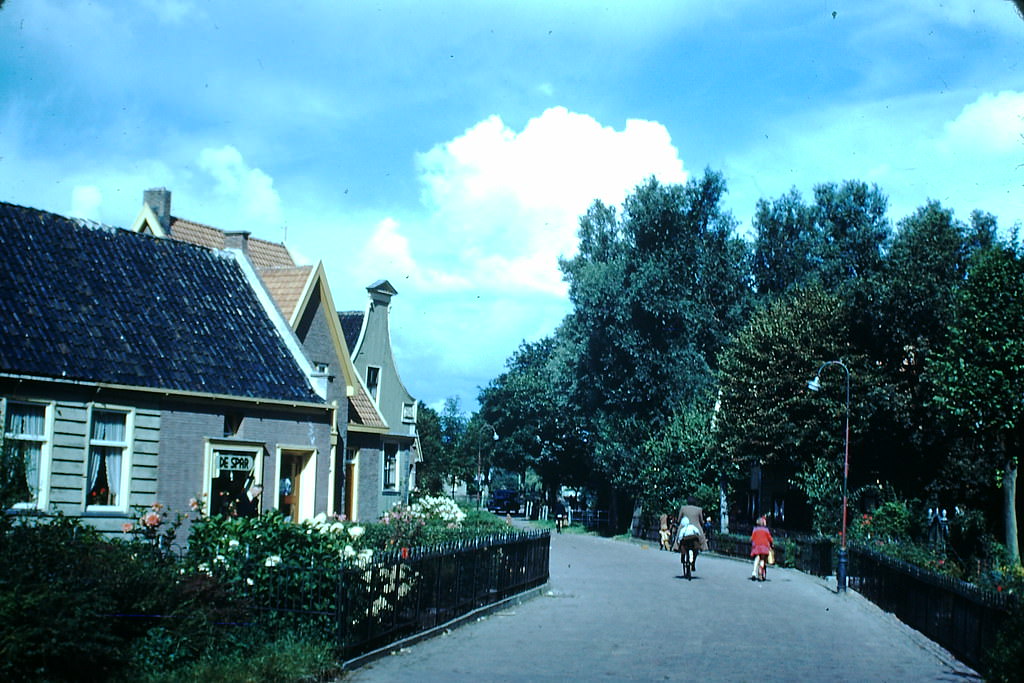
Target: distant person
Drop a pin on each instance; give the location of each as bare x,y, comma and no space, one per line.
561,516
695,514
761,544
664,534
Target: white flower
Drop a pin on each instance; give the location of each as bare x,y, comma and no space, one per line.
272,561
320,519
349,551
249,581
204,568
337,528
220,559
233,543
356,531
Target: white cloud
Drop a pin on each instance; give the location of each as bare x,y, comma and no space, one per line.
965,155
510,201
993,123
249,189
86,201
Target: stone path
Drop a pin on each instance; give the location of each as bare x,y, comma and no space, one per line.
618,611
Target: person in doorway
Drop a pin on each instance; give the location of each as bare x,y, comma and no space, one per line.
761,543
695,514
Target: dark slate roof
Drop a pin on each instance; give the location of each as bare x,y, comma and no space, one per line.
93,303
351,326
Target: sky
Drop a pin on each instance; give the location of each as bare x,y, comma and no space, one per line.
450,147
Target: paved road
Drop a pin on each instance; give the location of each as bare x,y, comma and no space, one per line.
618,611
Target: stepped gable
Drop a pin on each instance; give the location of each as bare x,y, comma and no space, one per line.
92,303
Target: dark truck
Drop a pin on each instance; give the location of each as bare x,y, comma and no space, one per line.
504,501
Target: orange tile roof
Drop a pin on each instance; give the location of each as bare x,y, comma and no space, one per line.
262,253
362,411
286,286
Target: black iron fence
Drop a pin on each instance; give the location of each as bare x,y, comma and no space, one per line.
810,554
374,602
591,520
961,617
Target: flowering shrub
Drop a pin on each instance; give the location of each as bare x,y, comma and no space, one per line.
438,508
158,527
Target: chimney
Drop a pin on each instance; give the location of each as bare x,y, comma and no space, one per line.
381,292
159,200
237,240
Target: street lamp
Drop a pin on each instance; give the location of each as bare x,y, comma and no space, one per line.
479,480
815,385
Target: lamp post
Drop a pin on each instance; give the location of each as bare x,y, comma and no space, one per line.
815,385
479,480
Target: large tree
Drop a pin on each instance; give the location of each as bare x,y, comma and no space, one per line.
656,291
539,428
979,376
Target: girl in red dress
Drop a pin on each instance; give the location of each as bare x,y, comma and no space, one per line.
761,544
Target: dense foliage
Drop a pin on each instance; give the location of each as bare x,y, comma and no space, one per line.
78,606
683,364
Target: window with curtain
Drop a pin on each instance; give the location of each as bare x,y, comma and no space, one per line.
107,447
25,431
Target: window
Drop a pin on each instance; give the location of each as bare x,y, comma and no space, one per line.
372,381
107,466
390,480
234,472
26,435
409,413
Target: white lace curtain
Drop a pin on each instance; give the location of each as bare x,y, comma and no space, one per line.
26,426
107,427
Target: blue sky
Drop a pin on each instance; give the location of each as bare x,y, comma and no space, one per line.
450,147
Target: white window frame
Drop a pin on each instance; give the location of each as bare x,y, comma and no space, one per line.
45,450
216,447
127,446
307,479
374,389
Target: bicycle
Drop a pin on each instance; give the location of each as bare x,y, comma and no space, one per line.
689,548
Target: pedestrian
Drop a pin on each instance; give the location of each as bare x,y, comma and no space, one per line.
663,533
695,514
761,544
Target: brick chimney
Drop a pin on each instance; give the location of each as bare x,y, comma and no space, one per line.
159,200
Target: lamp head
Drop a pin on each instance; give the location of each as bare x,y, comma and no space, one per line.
814,384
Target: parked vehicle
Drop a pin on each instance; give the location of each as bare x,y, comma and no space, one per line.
504,501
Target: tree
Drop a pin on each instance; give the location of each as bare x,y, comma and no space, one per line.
538,427
656,293
430,474
787,243
767,417
908,307
445,459
979,376
854,231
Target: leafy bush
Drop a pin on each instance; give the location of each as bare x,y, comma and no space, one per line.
1005,660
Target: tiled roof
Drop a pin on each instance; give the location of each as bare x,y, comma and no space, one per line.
98,304
351,326
262,253
363,412
286,286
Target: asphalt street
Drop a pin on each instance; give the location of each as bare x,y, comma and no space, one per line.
619,611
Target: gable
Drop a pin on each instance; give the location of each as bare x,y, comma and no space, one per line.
93,303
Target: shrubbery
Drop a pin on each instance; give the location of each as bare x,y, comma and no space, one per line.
75,605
